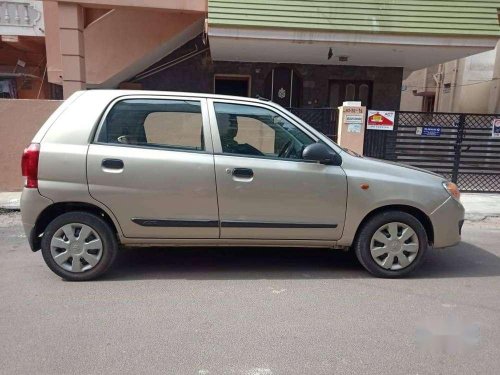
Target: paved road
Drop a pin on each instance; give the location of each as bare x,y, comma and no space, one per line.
252,311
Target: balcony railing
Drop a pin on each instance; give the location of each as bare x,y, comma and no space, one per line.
21,17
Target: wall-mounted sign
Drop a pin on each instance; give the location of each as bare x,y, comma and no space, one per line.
495,129
380,120
428,131
354,123
358,110
351,104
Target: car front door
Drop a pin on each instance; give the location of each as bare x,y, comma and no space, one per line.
266,190
151,164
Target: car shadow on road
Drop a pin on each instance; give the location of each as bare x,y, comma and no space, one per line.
464,260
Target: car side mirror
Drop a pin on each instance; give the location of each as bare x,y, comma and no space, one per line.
320,153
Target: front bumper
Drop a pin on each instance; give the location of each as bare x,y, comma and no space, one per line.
447,221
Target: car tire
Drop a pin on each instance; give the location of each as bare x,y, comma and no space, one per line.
99,247
370,252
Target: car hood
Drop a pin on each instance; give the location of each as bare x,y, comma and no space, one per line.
386,162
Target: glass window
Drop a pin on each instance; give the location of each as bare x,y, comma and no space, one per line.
364,92
155,122
335,95
250,130
350,91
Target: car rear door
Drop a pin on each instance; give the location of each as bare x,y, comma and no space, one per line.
266,196
151,164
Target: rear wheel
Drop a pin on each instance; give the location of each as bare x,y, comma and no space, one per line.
391,244
79,246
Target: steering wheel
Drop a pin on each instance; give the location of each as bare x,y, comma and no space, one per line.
286,149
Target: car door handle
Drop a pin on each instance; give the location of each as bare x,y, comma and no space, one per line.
112,164
243,172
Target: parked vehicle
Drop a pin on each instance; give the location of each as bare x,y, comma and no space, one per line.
112,168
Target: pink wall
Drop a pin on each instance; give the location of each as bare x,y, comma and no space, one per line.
126,39
184,5
124,36
52,41
21,119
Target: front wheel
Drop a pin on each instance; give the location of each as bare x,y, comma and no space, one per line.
79,246
391,244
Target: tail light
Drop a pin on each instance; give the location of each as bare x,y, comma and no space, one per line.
29,165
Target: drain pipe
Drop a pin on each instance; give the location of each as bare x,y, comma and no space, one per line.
454,86
438,78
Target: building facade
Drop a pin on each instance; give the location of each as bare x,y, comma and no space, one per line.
466,85
312,45
22,50
298,53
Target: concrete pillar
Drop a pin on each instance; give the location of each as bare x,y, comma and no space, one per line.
494,102
351,129
72,48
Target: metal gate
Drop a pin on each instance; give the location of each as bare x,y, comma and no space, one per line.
458,146
321,119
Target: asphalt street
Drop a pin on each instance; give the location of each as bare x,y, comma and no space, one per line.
252,311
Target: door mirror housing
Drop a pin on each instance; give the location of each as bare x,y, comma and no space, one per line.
320,153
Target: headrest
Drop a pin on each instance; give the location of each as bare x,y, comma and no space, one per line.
228,125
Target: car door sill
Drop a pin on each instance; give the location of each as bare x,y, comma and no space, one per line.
238,242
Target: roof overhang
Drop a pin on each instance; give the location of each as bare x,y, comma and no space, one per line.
411,52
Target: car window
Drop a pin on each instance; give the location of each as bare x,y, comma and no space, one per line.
154,122
257,131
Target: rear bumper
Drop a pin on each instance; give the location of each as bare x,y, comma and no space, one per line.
32,205
447,221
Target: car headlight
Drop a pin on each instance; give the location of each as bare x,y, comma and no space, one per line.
452,189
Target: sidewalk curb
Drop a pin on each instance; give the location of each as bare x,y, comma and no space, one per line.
475,217
10,201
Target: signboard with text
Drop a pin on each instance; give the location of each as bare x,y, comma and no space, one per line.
354,123
428,131
495,130
380,120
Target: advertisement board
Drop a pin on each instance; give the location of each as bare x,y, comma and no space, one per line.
380,120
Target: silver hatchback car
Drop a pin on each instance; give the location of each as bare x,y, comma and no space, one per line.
131,168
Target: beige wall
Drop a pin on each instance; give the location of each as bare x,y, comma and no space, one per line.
494,102
474,85
20,120
411,85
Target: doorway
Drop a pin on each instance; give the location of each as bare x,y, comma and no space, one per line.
232,85
284,87
350,90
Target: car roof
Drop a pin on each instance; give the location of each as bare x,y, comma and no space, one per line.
119,93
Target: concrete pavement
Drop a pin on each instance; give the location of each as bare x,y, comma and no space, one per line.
10,200
252,312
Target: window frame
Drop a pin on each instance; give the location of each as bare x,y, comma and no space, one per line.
207,136
217,145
